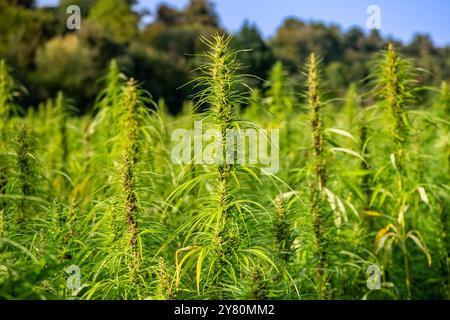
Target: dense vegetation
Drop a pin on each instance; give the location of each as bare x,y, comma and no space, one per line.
363,186
47,57
88,186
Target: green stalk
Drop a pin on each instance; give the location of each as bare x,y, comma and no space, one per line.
444,109
317,199
61,116
2,224
6,97
282,232
405,250
3,179
397,80
259,287
26,168
222,96
164,287
131,208
315,106
131,122
223,112
367,178
396,72
394,84
131,126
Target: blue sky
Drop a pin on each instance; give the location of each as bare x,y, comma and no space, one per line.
399,18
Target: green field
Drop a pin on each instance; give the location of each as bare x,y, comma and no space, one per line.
93,206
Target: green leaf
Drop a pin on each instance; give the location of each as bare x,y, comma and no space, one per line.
417,238
201,256
341,133
348,151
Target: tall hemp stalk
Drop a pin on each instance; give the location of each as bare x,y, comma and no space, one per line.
218,237
105,122
318,209
444,102
3,178
397,82
396,74
105,129
394,84
25,162
61,110
444,214
7,87
365,164
280,100
222,80
164,283
130,104
283,234
354,116
6,97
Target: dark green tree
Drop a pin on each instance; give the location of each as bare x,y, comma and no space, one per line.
258,56
116,19
22,3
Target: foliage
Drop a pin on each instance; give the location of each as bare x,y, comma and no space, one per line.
167,47
115,18
99,195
